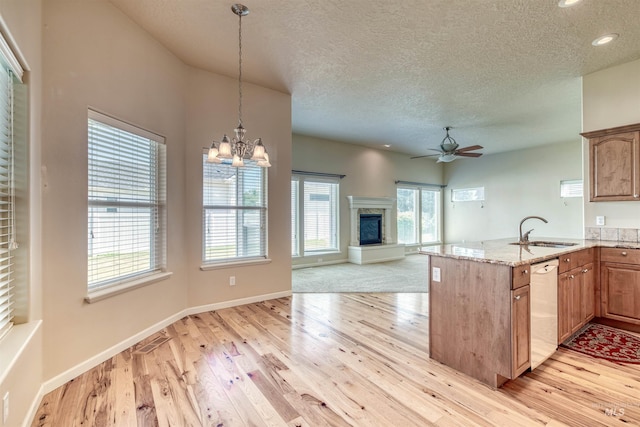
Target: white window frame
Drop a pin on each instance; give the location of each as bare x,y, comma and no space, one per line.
474,194
298,215
152,200
12,74
418,232
238,209
571,188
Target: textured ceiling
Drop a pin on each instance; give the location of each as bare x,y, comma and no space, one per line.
504,74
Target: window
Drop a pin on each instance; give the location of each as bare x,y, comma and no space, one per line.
418,215
234,212
317,219
10,75
571,188
467,194
127,209
295,221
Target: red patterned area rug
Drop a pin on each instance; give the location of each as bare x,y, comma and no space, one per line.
606,342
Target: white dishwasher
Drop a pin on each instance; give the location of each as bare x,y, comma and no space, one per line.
543,292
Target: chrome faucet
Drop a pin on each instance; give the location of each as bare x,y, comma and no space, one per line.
524,238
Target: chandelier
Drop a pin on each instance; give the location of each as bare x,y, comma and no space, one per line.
238,149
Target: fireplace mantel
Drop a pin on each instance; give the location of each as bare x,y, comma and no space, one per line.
388,250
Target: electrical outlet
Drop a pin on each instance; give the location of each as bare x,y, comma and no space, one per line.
435,274
600,220
232,280
5,408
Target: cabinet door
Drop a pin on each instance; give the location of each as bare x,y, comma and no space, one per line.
588,293
615,167
564,307
575,289
621,292
520,330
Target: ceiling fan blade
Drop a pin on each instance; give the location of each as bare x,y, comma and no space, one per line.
470,148
468,154
426,155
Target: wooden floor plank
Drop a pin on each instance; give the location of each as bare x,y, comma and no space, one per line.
329,360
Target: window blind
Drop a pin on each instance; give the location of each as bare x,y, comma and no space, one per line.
295,242
320,215
234,212
7,186
127,207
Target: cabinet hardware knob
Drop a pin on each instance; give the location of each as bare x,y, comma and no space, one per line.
525,271
517,297
571,276
567,260
624,253
586,270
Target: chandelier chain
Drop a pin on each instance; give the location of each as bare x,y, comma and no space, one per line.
240,70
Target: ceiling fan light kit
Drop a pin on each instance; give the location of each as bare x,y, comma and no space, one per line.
449,150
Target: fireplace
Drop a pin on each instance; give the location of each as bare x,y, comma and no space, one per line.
372,234
370,229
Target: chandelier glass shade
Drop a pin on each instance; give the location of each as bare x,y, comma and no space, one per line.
239,149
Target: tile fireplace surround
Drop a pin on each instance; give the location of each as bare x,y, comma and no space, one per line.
388,250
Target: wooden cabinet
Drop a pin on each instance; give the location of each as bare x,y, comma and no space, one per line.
614,164
479,321
620,284
576,292
520,330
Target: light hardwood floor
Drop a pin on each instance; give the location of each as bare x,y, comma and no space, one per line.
329,359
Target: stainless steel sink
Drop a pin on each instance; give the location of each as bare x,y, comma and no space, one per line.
545,244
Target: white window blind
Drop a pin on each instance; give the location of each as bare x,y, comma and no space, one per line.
234,212
418,214
10,74
295,218
320,215
571,188
127,207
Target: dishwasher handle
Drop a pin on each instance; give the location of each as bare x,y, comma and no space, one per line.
544,268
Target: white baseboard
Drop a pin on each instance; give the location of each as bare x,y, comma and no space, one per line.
73,372
318,264
235,302
31,413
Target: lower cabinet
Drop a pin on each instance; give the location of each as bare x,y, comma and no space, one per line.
520,330
576,300
620,284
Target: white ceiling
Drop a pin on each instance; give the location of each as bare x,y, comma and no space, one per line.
504,73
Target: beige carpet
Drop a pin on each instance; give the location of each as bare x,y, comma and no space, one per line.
406,275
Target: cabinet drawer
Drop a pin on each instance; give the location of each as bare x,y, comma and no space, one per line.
625,256
575,259
521,275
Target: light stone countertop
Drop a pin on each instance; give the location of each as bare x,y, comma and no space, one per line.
499,251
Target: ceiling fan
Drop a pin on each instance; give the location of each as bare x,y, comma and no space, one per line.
449,150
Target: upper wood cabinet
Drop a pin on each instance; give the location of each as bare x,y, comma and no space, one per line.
614,164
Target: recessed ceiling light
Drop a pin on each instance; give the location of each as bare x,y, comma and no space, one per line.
568,3
602,40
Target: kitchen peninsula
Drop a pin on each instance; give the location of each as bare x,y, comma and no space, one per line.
480,317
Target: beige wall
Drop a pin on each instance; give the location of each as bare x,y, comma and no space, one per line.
369,173
517,184
265,114
611,98
96,57
21,357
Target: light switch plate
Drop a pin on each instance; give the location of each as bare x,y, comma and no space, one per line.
600,220
435,274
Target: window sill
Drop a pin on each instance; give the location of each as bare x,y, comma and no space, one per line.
205,267
320,253
111,291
